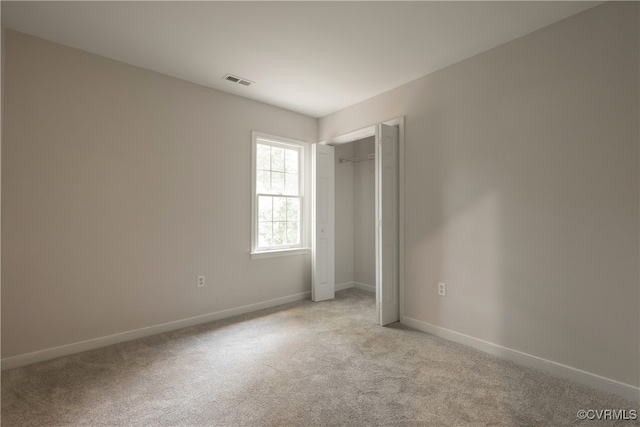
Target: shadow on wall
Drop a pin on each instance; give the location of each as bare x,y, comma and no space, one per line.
521,194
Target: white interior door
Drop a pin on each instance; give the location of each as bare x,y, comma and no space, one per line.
387,221
323,223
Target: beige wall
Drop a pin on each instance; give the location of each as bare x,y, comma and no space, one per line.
521,192
364,215
344,214
119,187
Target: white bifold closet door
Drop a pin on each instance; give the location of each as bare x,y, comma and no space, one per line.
323,223
387,224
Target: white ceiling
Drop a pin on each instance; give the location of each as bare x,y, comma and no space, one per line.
311,57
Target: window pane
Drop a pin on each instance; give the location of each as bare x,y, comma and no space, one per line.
277,182
279,233
265,208
279,209
293,233
263,181
291,186
279,205
263,157
265,235
277,159
293,209
291,161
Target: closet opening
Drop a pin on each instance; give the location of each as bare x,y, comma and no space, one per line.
357,212
355,231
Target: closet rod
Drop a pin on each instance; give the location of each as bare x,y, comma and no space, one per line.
358,159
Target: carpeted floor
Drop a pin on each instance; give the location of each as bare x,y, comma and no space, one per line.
302,364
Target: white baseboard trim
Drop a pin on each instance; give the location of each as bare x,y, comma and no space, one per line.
557,369
343,286
357,285
364,287
78,347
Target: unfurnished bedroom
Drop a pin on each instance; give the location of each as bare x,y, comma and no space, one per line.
320,213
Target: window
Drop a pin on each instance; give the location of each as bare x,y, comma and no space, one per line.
278,189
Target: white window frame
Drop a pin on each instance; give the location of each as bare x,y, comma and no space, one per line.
305,192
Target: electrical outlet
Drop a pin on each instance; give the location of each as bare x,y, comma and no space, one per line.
442,289
200,281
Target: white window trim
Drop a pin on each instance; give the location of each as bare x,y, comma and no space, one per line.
305,194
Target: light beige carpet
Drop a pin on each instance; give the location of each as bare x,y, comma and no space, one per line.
302,364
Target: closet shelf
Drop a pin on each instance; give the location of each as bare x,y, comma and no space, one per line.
358,159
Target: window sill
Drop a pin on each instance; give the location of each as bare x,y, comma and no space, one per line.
279,253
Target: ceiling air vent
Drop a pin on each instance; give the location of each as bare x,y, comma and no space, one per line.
239,80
